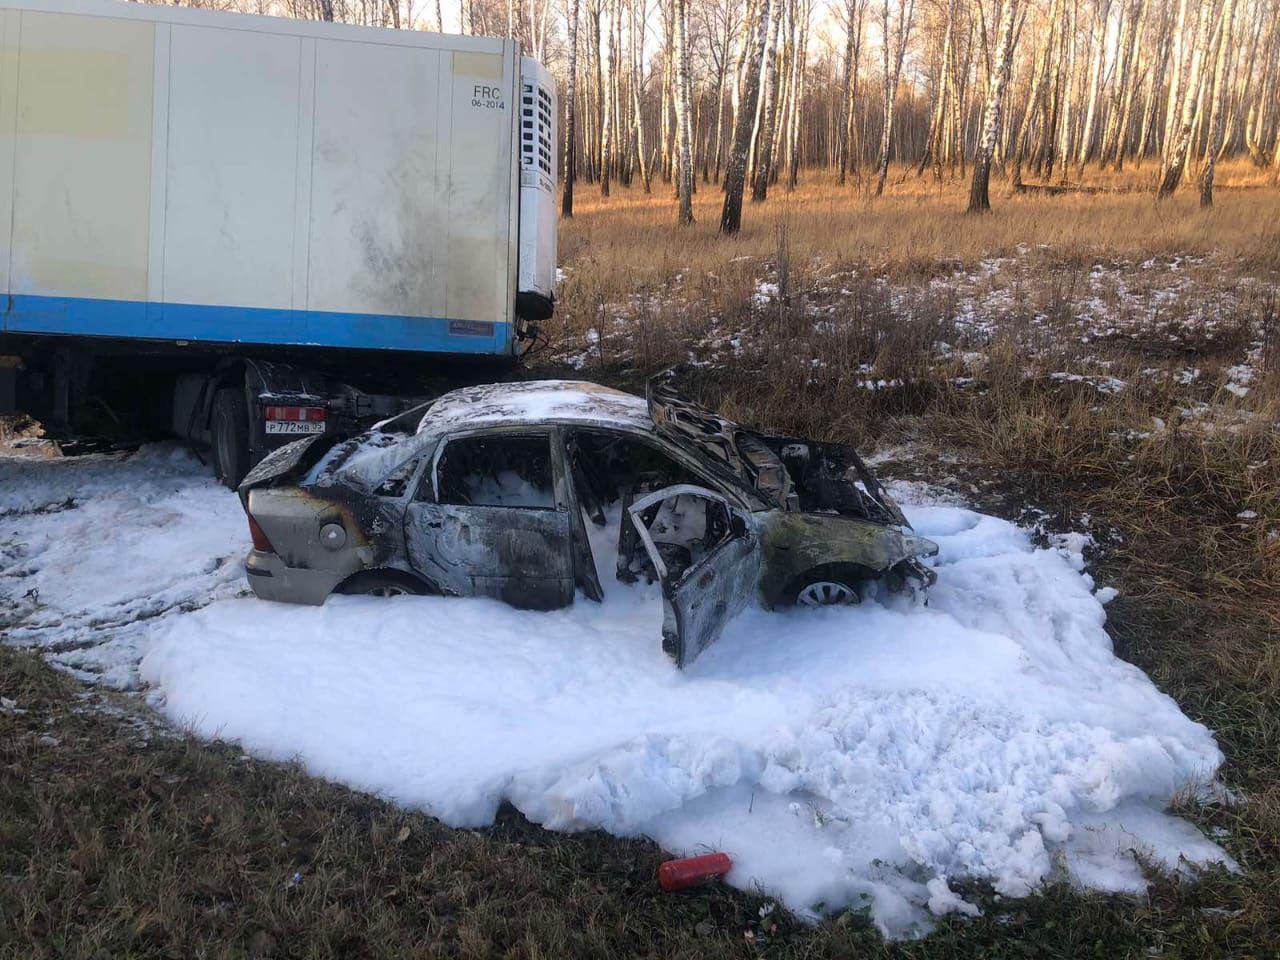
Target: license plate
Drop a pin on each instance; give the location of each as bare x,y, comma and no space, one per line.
295,426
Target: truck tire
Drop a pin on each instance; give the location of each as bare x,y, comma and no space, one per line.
229,426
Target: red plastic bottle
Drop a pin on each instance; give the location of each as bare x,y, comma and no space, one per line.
682,874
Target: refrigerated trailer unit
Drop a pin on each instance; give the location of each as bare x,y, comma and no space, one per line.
262,209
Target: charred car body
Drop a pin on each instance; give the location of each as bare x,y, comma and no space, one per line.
488,491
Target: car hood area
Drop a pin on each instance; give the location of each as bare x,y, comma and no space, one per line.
790,473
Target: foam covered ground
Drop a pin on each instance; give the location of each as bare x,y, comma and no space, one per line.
97,551
862,756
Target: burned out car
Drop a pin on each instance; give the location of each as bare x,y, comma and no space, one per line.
491,491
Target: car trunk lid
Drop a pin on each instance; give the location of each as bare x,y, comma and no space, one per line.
285,463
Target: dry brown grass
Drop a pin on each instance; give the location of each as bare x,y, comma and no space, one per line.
629,240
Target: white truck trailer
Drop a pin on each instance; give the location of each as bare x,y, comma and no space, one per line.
253,227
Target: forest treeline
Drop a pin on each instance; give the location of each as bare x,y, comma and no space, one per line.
752,93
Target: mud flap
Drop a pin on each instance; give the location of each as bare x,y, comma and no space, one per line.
718,583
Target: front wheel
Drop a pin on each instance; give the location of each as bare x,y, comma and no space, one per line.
828,593
830,585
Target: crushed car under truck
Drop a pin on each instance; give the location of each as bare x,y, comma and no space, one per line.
488,491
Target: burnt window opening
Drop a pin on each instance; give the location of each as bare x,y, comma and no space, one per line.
396,482
611,467
510,471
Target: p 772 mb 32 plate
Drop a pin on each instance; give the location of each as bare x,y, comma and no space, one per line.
295,426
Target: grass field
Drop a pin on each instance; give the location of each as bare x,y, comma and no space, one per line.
1111,362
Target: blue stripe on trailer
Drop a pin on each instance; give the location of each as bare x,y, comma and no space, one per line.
141,319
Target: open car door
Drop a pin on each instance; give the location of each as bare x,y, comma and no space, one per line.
706,554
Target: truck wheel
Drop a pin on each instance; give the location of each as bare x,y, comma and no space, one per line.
230,429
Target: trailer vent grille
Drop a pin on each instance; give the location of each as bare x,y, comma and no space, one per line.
535,129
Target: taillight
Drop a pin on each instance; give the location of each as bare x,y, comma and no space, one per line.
260,541
303,414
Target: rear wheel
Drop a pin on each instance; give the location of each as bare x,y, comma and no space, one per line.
383,583
230,429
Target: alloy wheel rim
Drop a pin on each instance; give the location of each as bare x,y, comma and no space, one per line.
388,590
827,593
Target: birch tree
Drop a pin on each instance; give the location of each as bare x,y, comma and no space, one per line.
767,115
1097,68
1180,143
979,192
735,177
855,13
797,93
570,115
684,122
895,36
1220,70
941,95
638,20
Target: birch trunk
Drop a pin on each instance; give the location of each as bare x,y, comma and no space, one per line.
1179,144
668,82
1178,75
1068,100
1020,132
781,92
637,77
1160,70
1222,67
769,106
1095,85
855,9
1129,84
684,121
602,103
735,177
570,115
1202,94
624,144
933,138
797,112
979,192
892,75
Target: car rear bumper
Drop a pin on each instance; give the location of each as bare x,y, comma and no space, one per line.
270,579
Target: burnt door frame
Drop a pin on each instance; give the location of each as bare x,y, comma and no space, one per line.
715,588
520,555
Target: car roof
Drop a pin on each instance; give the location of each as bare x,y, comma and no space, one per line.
365,460
532,402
